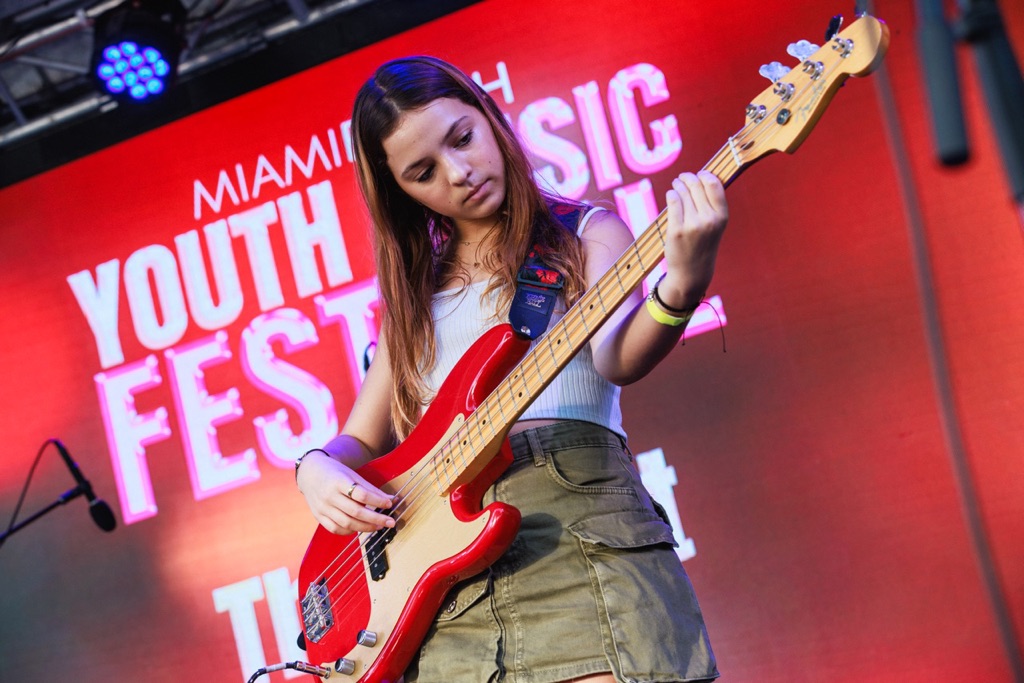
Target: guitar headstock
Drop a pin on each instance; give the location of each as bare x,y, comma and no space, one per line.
783,115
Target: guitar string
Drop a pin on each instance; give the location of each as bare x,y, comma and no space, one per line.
409,504
526,376
723,162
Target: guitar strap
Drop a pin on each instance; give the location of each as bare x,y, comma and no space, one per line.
538,286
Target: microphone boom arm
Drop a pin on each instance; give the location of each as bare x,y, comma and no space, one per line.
101,513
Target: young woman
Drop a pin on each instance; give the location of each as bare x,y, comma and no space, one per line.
590,589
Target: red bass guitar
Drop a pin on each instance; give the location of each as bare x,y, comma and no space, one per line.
368,599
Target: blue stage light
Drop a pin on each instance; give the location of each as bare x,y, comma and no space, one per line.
128,73
137,46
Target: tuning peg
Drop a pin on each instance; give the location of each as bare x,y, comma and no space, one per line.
773,71
802,50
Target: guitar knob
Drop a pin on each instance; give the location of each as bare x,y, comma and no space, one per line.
815,69
756,113
784,90
367,638
345,666
844,46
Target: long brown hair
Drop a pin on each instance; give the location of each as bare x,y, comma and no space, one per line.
413,244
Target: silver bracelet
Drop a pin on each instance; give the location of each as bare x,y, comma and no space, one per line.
298,460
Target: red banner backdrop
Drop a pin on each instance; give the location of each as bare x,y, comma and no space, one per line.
189,310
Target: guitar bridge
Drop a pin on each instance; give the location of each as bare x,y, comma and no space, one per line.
316,611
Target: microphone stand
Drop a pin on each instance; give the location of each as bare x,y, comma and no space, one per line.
66,497
1003,85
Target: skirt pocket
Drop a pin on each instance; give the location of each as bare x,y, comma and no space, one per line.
651,624
596,469
624,529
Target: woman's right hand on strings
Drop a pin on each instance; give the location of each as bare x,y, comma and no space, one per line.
341,501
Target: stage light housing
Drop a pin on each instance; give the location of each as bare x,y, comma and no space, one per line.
136,47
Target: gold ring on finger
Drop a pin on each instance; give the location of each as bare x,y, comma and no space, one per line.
351,489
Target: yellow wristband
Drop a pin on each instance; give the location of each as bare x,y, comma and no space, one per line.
663,317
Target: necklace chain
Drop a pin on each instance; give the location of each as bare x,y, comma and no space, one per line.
468,243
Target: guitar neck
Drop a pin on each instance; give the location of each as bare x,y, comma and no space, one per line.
778,120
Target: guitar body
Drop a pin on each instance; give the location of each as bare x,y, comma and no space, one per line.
438,539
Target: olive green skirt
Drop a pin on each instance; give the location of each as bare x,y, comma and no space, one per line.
590,584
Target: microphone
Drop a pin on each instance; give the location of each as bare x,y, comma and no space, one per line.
98,509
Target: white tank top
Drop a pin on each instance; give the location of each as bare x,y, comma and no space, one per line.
577,393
